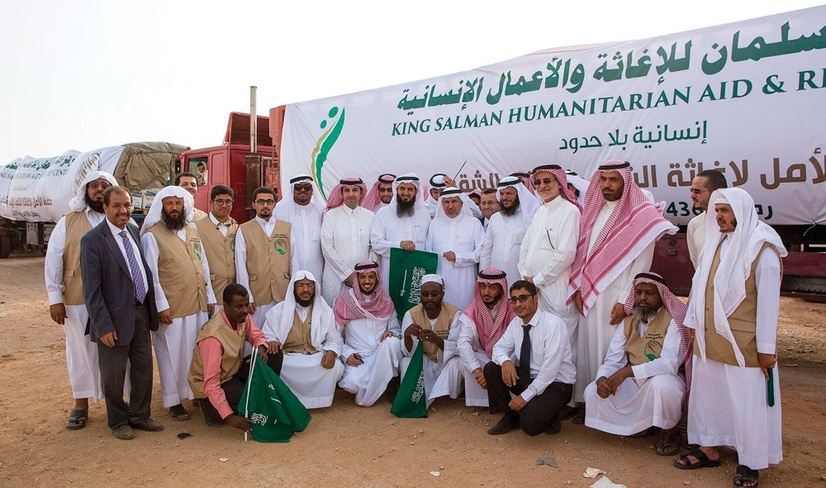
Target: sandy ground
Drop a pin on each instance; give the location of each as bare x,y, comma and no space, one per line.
346,445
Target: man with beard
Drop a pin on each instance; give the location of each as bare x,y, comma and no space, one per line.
489,316
456,236
219,370
183,291
217,233
264,259
380,194
549,248
437,324
65,289
618,231
371,331
503,237
189,182
531,360
304,208
734,307
639,384
303,326
702,186
403,224
489,205
345,236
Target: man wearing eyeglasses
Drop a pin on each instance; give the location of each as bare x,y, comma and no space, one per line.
263,255
217,232
533,361
702,186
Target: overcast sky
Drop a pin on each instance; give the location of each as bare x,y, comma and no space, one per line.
84,74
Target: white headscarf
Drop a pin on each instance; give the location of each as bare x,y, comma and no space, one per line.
287,209
433,278
451,192
528,202
78,203
580,183
280,317
413,179
154,215
743,248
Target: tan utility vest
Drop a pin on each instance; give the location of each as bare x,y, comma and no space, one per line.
77,225
441,327
180,271
220,253
232,343
268,260
299,339
743,321
647,348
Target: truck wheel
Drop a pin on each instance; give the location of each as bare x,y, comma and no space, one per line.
5,245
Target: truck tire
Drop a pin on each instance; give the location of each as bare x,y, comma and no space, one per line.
5,245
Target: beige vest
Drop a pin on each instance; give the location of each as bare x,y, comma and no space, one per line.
743,321
220,253
77,225
180,271
441,328
232,342
268,260
299,339
647,348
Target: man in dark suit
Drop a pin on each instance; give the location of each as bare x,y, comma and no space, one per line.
121,305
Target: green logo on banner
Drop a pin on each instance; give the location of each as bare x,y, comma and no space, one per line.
325,143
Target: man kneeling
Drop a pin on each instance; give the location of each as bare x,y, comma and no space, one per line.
638,385
543,378
304,327
219,371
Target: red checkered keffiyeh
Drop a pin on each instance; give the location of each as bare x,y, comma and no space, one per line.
676,308
632,226
489,328
352,305
562,178
337,200
373,199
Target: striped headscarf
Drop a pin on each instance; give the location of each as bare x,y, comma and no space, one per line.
337,199
372,201
632,226
353,305
490,328
562,177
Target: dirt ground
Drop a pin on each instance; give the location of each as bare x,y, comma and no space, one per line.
346,445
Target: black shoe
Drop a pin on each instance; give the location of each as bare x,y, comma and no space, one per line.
147,424
567,413
392,388
555,428
123,432
506,424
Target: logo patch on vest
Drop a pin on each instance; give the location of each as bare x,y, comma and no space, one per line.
652,350
196,248
280,245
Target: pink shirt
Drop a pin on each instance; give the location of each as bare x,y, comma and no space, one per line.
212,353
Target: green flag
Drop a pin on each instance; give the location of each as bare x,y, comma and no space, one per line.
411,400
406,271
273,410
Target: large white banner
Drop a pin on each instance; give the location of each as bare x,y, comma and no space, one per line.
748,99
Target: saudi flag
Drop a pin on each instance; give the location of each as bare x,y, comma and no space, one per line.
273,409
411,400
406,271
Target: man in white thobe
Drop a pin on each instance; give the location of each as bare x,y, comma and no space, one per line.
380,194
549,248
345,236
183,291
403,224
611,250
65,290
372,349
438,183
456,237
734,307
488,316
303,326
639,385
437,323
303,207
266,271
702,186
506,231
